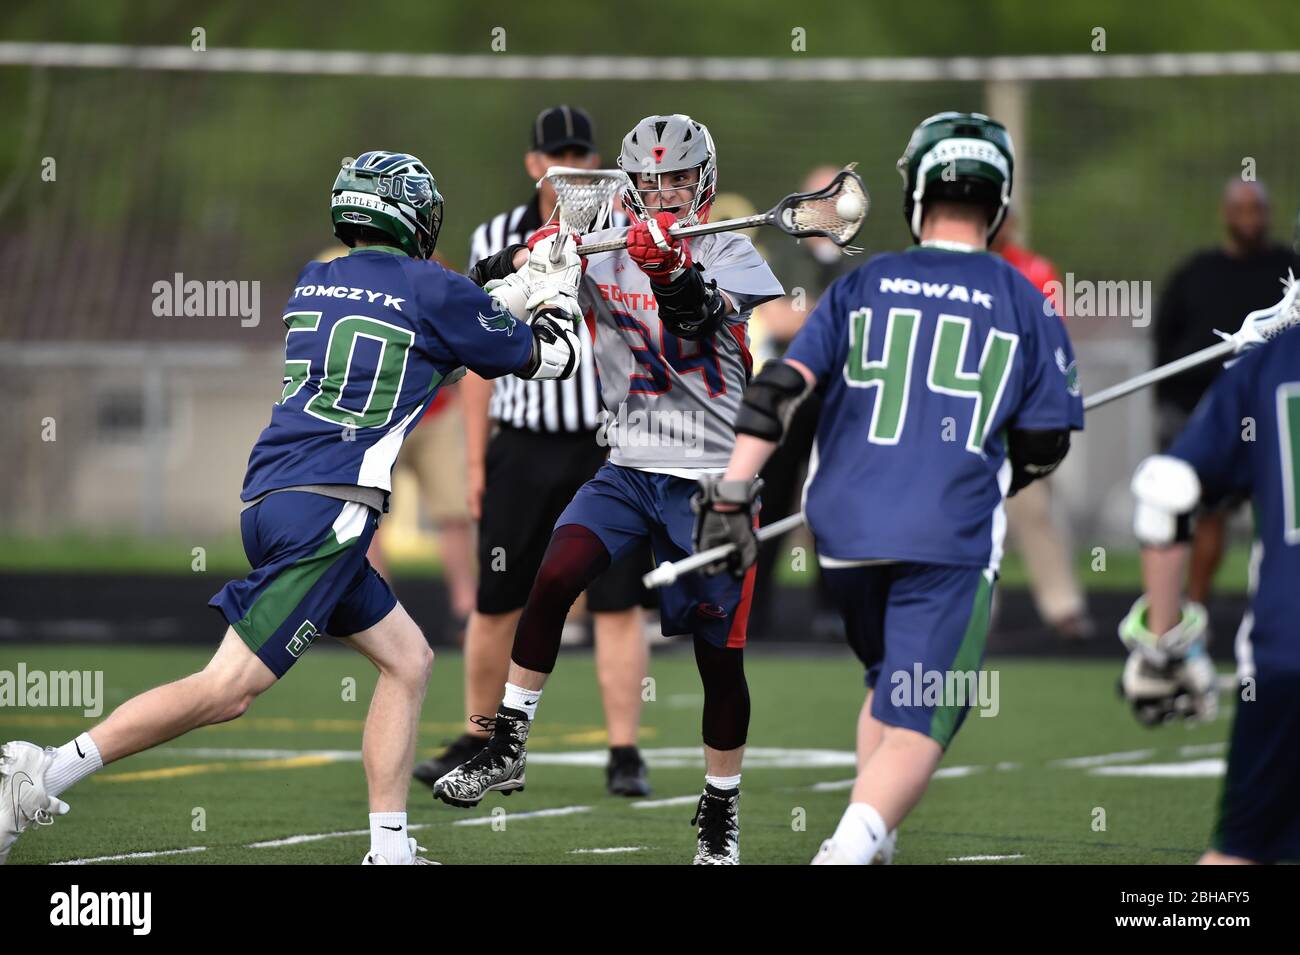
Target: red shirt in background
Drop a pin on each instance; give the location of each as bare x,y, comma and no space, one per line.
1031,265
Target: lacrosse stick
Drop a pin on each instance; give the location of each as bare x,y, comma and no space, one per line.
835,212
584,198
1258,327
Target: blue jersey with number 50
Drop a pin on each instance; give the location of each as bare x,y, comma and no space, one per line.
925,359
370,338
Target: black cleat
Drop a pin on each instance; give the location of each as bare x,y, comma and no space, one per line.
718,815
462,748
625,773
497,767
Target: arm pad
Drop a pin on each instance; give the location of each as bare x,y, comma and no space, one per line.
1167,491
689,307
770,401
1034,455
495,266
557,349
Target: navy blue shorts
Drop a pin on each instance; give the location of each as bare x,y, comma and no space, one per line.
310,576
624,507
1259,811
920,630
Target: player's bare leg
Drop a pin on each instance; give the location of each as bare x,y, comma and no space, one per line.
891,780
221,691
402,656
1213,857
622,659
488,640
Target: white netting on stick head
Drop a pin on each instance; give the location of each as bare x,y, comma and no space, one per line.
1264,324
836,211
585,197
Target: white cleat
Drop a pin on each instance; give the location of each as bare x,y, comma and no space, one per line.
22,792
831,853
374,858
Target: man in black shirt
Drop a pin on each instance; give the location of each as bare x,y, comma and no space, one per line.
1214,289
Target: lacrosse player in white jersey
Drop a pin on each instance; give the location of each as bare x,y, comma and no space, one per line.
672,352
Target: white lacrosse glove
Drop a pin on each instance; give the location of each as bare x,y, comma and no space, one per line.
553,286
1169,676
510,294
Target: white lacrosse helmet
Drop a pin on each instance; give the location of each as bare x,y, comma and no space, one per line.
664,144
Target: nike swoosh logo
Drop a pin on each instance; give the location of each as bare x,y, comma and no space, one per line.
392,828
79,752
19,780
529,702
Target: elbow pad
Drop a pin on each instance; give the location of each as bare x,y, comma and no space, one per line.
1167,491
689,307
556,349
1034,455
770,401
495,266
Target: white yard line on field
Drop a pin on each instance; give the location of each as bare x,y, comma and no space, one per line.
669,801
126,856
985,858
1190,769
601,852
1105,759
512,816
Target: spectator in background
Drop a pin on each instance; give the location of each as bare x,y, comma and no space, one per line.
1044,544
530,445
1213,289
435,454
805,268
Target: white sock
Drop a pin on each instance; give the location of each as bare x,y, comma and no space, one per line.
860,832
723,782
388,836
517,698
73,762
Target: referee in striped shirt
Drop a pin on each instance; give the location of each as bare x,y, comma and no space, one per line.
531,445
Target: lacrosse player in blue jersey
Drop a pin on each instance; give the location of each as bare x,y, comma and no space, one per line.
370,339
948,383
1243,438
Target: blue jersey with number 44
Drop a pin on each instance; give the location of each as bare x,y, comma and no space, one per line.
925,358
370,338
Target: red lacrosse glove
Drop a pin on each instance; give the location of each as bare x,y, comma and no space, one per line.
655,251
541,234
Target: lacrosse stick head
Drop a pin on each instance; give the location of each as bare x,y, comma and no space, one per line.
584,198
1265,324
835,212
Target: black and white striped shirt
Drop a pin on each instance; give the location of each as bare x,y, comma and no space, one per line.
571,406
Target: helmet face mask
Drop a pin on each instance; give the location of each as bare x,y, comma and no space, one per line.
959,157
393,194
669,158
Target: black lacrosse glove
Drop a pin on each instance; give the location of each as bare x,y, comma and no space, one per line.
714,527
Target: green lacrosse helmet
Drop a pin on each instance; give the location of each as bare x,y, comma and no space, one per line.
963,157
393,194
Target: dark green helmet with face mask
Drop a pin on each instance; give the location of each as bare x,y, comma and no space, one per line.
393,194
961,157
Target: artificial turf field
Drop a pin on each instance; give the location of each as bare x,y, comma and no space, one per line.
1062,774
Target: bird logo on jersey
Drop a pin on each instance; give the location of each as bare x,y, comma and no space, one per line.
501,322
1071,372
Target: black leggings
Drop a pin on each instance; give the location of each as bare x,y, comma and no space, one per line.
575,557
